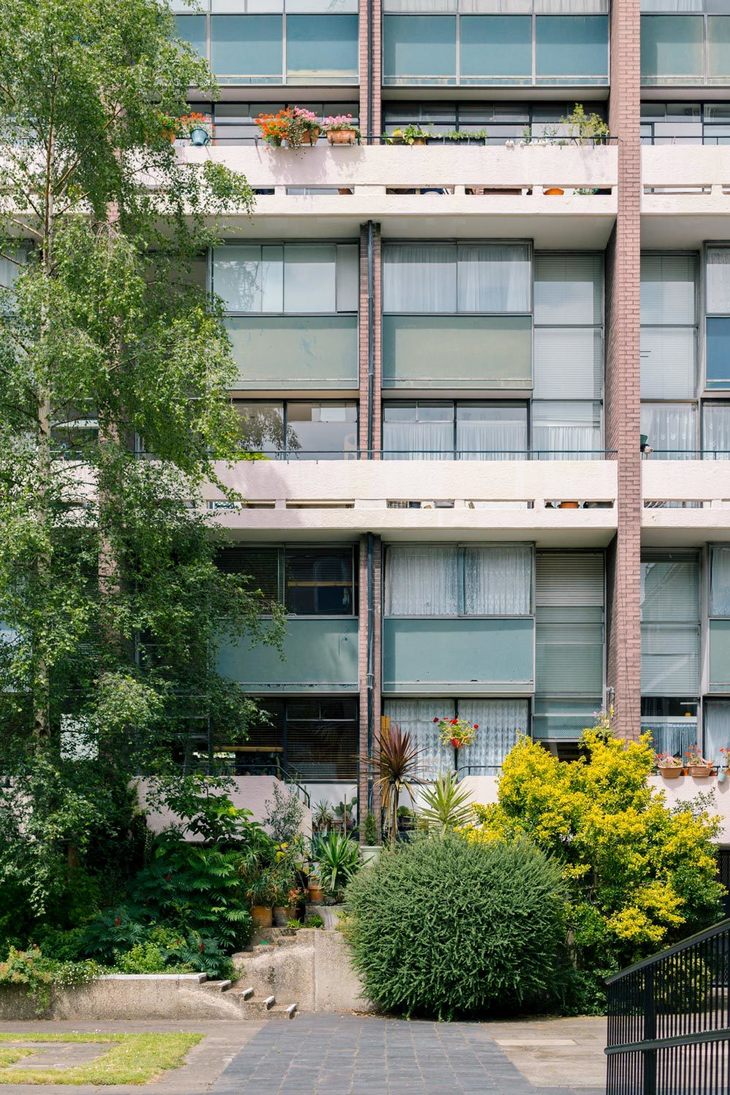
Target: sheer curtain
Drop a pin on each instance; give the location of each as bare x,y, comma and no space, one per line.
493,277
498,580
500,724
416,717
419,277
671,429
566,431
718,280
669,735
421,581
409,432
489,433
716,429
717,730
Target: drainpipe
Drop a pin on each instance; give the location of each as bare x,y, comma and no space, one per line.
371,335
370,665
370,74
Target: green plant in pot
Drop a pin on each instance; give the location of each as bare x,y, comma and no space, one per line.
338,863
586,127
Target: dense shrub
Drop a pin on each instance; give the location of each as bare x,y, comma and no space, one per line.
37,974
443,927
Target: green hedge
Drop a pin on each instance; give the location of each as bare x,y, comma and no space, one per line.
443,927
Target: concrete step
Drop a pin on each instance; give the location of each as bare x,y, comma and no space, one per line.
217,986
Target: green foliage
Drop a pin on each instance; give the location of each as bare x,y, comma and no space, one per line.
284,814
38,975
445,805
338,861
445,927
639,874
314,920
586,126
371,830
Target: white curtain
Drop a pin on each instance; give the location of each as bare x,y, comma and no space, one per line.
419,277
492,438
671,429
566,431
498,580
416,717
421,581
500,724
494,277
718,280
673,736
716,427
717,730
411,439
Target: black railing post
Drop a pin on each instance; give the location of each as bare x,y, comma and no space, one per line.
649,1055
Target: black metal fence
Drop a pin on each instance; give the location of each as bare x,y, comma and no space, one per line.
669,1020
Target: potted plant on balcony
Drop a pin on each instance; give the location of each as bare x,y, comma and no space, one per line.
668,766
458,733
697,765
292,126
412,134
197,127
585,127
340,129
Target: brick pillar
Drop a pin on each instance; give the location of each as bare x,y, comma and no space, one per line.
370,702
370,335
371,21
623,372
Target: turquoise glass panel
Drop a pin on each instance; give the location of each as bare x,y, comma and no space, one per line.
572,46
458,656
280,352
569,650
670,659
496,46
420,48
720,656
457,351
671,47
191,28
718,48
247,47
319,655
321,49
718,352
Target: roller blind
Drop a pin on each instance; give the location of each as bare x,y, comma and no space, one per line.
670,591
569,624
569,289
668,289
568,363
569,578
720,582
668,362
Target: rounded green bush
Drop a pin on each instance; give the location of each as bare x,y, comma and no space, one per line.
445,927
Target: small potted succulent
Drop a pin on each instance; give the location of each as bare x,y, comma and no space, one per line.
340,129
456,732
198,127
668,766
697,765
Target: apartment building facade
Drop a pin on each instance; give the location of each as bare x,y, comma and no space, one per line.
490,374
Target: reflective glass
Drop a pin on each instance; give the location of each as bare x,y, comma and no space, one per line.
246,46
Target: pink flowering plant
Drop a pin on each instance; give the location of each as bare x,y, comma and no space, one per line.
694,758
336,123
666,760
456,732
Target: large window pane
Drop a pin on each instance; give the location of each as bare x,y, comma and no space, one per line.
420,47
668,367
668,289
415,717
670,590
569,632
716,429
568,363
321,431
501,722
671,429
319,582
321,739
262,426
192,29
718,47
718,352
720,581
670,659
717,279
455,351
717,730
493,277
419,277
284,352
566,431
572,45
247,47
496,46
498,580
260,564
671,47
490,431
417,430
568,289
310,278
249,278
321,48
421,581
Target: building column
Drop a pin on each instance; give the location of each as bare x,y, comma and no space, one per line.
370,342
623,391
371,21
369,662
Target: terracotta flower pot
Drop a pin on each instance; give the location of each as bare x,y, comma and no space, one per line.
551,190
418,140
262,916
283,914
700,771
311,136
568,505
671,773
316,894
341,136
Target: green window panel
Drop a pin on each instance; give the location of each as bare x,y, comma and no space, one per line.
192,29
246,48
321,49
720,656
282,352
319,655
670,659
569,594
496,49
563,719
457,351
572,47
419,49
458,656
672,49
718,49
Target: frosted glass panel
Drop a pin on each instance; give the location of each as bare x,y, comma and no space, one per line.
282,352
568,363
718,47
671,46
668,362
671,429
497,581
493,278
568,289
457,351
246,46
498,45
309,279
419,46
566,431
572,45
668,289
421,581
720,582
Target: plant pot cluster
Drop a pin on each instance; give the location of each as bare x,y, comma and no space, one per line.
294,127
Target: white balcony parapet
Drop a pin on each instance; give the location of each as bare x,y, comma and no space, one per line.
690,185
685,502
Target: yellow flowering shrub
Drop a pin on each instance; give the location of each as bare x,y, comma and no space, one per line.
640,874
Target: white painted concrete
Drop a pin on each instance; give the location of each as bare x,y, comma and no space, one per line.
686,195
247,792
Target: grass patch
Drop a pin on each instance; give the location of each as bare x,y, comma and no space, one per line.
130,1059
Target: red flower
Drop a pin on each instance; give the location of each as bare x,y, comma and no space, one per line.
201,947
117,921
454,722
436,720
476,725
455,742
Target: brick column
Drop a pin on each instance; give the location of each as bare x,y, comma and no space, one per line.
370,340
370,46
622,397
369,654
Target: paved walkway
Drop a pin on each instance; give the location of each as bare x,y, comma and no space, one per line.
365,1055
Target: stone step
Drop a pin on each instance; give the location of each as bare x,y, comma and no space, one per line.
217,986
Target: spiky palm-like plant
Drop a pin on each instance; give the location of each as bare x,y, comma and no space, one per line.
399,757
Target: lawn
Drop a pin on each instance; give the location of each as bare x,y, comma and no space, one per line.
130,1059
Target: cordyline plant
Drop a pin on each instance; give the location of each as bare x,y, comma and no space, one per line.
110,599
396,773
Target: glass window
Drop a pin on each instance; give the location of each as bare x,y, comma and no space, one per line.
295,279
718,48
717,730
419,277
566,430
491,431
262,426
412,431
717,280
419,48
668,289
495,46
497,580
719,580
321,48
322,738
321,431
569,595
260,563
479,580
568,363
670,629
247,47
438,277
672,723
310,278
249,278
493,277
671,429
718,352
319,581
716,430
668,362
672,48
568,289
193,29
571,45
421,580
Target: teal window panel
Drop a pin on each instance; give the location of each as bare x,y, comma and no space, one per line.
457,351
672,48
192,29
281,352
720,582
569,650
496,49
572,46
720,656
670,659
246,48
318,655
718,48
561,719
458,656
321,49
718,353
419,49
